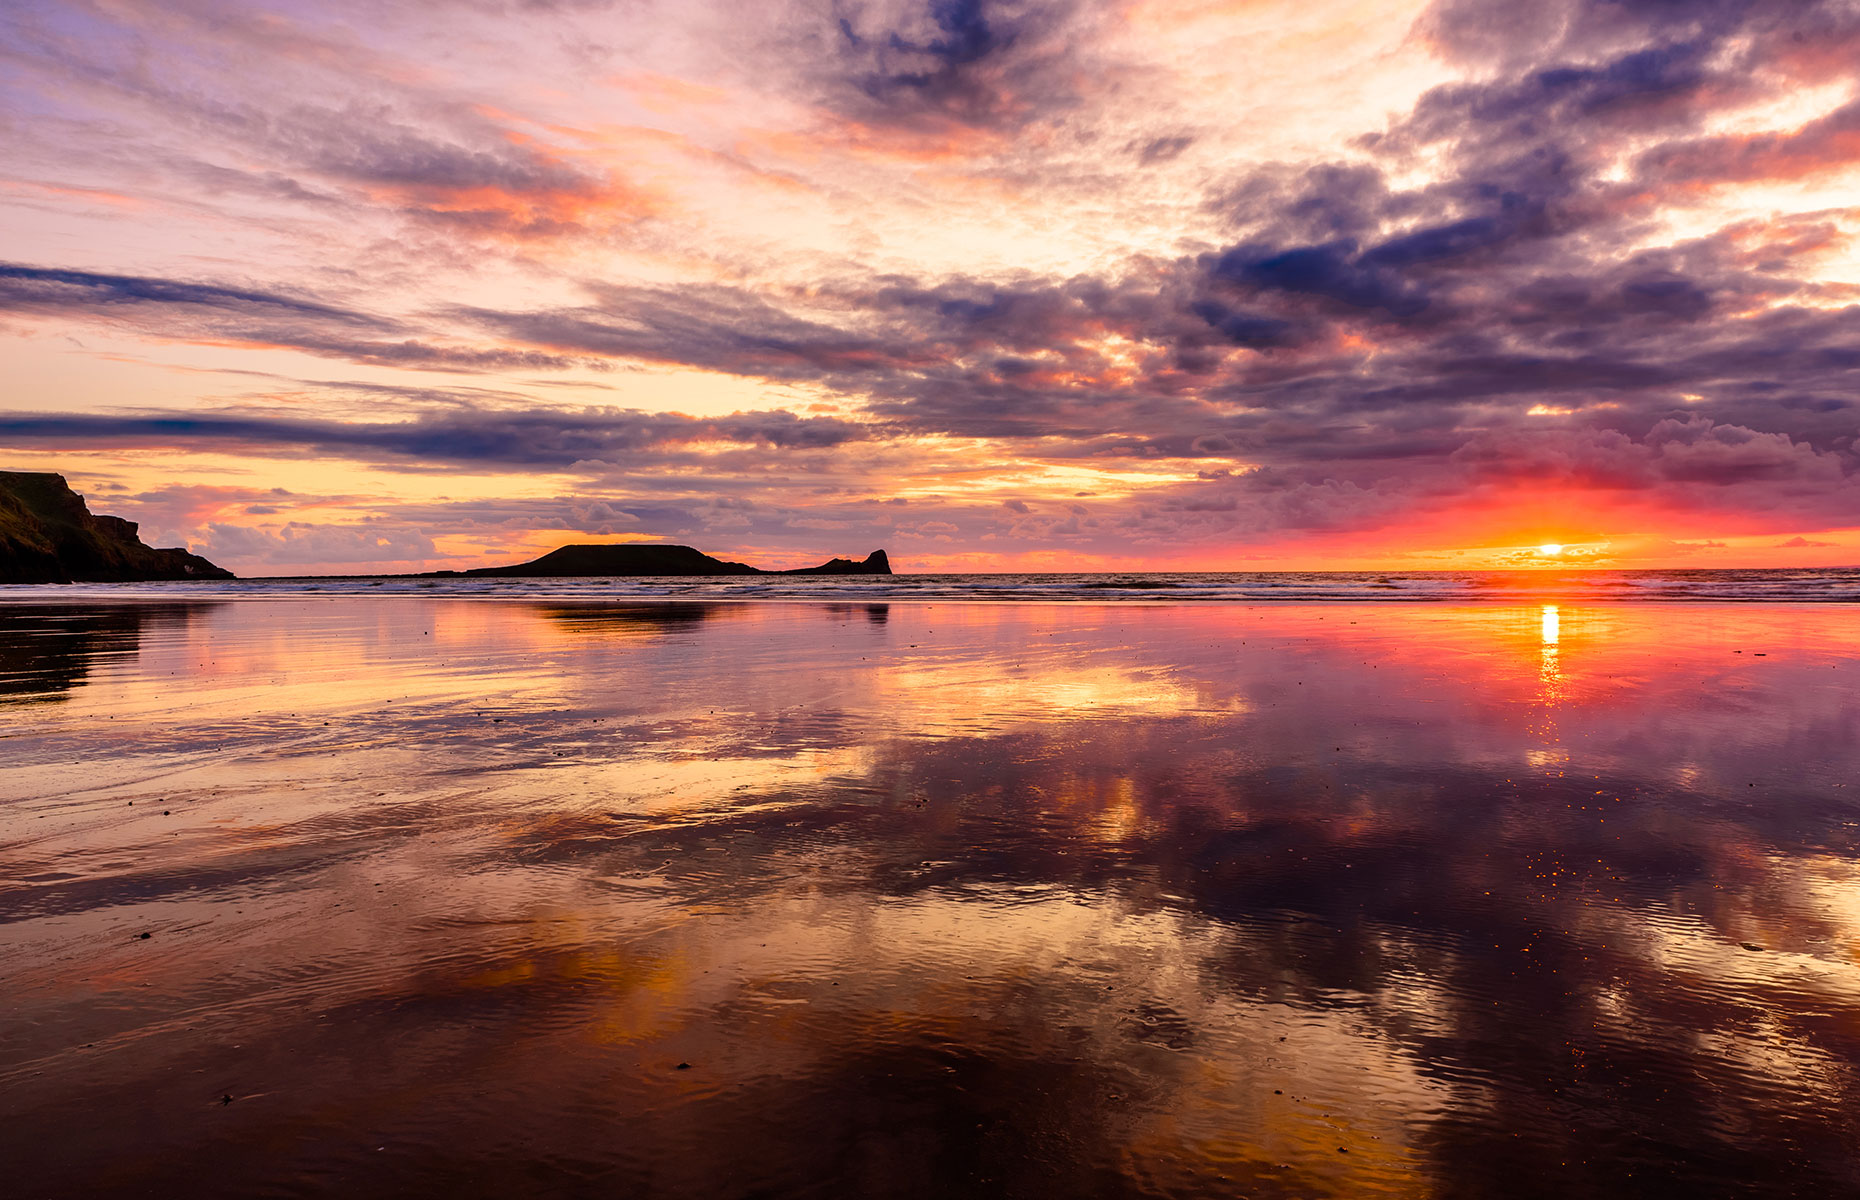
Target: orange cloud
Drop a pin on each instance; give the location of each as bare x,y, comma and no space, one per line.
522,213
668,93
27,187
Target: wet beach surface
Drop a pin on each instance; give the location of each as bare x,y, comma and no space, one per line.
421,895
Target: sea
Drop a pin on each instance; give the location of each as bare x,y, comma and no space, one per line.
1810,586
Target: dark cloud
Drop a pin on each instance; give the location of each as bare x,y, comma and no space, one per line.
1823,144
1495,34
368,146
710,326
188,310
549,438
1335,271
1675,450
931,65
47,289
1162,149
1245,329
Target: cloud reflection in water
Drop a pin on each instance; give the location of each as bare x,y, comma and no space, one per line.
943,899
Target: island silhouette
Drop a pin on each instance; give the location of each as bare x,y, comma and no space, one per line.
584,560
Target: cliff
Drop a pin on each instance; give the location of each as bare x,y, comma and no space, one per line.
593,560
48,535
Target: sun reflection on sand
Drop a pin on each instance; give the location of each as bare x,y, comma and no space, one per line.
1550,663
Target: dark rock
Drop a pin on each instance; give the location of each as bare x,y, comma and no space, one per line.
589,561
49,535
874,563
595,561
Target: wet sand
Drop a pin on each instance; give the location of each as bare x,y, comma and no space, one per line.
482,898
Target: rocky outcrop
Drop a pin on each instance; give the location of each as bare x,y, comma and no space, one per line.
48,535
584,561
875,564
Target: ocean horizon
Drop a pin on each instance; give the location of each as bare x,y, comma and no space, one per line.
1815,585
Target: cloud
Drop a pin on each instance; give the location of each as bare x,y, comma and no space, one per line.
299,543
1335,271
516,438
1162,149
1691,451
204,312
933,64
496,184
44,289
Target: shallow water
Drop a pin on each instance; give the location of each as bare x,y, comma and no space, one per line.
928,899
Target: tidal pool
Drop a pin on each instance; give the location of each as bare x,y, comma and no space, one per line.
467,897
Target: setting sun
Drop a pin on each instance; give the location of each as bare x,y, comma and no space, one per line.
1550,550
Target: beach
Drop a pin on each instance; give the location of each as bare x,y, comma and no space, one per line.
404,894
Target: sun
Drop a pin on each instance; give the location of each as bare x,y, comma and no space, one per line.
1550,550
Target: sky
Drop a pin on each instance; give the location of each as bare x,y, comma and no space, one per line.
993,284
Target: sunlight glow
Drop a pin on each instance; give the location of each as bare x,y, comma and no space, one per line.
1550,658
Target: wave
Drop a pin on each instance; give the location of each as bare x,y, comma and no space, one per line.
1812,586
